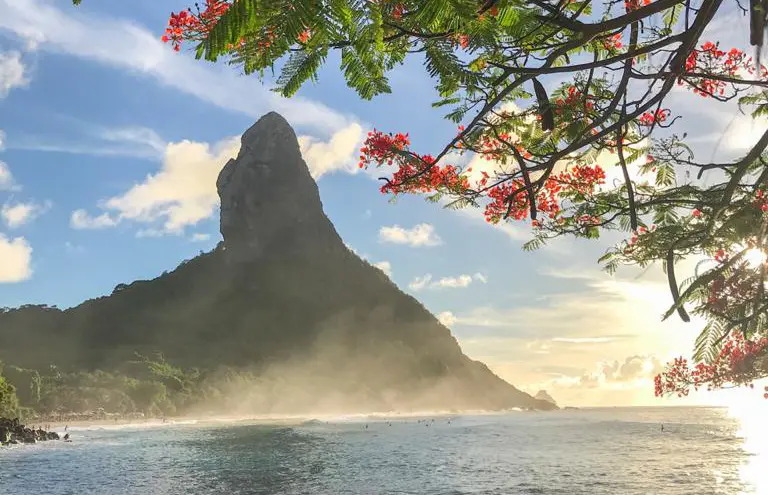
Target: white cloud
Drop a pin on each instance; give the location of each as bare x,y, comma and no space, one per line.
200,237
447,318
142,233
634,372
452,282
15,259
22,213
81,220
589,318
135,141
37,144
131,141
422,234
2,140
515,231
459,282
128,46
384,266
6,178
180,194
336,154
484,317
183,192
12,72
419,283
583,340
134,135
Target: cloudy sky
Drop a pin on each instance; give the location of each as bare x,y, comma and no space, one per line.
110,144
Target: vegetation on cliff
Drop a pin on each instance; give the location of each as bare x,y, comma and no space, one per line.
9,403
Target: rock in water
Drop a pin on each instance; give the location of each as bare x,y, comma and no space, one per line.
544,396
270,205
281,296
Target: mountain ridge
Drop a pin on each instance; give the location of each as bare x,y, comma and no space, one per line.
281,295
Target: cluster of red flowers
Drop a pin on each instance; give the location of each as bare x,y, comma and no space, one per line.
613,42
398,10
518,206
573,107
733,291
674,379
709,58
493,11
737,363
380,147
420,175
460,39
582,179
650,118
415,173
636,236
568,105
185,25
761,200
189,26
588,220
721,255
269,39
305,35
631,5
494,148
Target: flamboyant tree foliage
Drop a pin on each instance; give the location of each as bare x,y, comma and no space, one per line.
610,67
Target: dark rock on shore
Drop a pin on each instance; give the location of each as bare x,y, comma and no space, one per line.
12,432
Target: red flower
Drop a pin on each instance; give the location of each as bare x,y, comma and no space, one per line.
305,35
648,118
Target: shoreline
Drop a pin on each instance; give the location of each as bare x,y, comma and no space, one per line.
267,419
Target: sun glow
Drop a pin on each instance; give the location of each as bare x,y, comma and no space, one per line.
755,257
752,410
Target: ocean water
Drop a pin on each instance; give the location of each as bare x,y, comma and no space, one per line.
593,451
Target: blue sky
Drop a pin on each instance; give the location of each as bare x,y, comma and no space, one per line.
111,143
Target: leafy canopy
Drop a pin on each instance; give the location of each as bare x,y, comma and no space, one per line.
554,98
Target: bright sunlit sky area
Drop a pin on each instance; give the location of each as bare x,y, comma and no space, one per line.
110,144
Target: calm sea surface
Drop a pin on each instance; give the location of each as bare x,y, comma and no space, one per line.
595,451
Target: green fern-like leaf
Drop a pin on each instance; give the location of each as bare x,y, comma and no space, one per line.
300,67
706,345
533,244
362,74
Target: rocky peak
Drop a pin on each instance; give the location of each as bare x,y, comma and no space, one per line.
270,205
543,395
